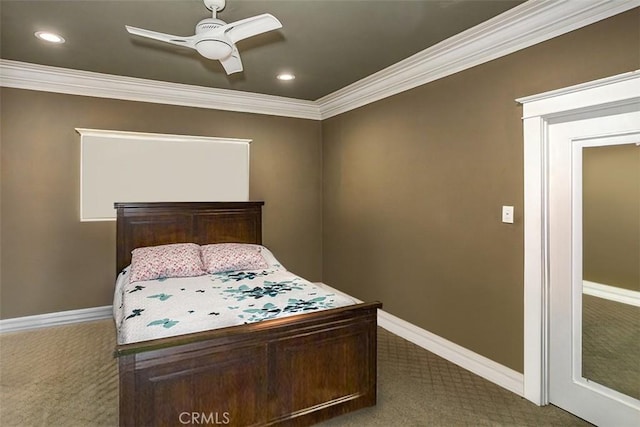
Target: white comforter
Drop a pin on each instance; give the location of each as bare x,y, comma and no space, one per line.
174,306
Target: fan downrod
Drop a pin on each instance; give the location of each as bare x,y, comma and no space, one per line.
215,5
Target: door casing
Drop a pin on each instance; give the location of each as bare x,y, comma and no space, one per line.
538,111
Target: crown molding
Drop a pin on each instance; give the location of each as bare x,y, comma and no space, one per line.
22,75
525,25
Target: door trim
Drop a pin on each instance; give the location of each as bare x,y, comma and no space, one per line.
538,110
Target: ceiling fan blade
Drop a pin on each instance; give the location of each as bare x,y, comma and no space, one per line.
167,38
249,27
232,64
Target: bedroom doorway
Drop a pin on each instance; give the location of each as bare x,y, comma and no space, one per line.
562,130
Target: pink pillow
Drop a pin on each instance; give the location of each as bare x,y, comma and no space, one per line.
175,260
223,257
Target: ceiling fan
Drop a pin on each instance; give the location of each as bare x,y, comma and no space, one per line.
215,39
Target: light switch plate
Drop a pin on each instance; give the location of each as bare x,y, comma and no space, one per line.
507,214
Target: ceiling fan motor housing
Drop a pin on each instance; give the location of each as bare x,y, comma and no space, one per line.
214,46
208,24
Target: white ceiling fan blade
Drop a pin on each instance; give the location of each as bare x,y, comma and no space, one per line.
167,38
249,27
232,64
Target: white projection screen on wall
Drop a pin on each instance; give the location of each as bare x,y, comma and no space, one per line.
120,166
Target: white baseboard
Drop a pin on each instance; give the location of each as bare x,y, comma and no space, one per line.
55,319
486,368
612,293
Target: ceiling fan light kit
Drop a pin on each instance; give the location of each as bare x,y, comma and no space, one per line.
214,38
214,49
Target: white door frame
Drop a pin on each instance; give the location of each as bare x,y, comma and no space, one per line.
538,109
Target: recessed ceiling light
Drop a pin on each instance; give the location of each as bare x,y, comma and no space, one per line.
285,76
49,37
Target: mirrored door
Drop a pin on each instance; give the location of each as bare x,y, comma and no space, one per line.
594,244
611,266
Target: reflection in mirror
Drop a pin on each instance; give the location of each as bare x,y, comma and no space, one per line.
611,267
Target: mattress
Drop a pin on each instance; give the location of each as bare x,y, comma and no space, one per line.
166,307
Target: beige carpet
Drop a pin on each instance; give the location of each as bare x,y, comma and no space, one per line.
418,388
59,376
66,376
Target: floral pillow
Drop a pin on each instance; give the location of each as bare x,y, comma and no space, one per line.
175,260
222,257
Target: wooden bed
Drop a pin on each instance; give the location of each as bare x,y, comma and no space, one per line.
298,370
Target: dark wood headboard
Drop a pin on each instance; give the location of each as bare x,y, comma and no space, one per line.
150,224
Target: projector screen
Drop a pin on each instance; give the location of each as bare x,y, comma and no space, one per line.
120,166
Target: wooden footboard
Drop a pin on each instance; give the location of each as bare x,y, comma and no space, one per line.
296,370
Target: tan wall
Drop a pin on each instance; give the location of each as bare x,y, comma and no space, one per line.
407,211
414,184
52,262
611,215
